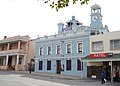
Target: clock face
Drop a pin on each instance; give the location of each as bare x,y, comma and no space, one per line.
94,18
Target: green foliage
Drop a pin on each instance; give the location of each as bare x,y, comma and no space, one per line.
58,4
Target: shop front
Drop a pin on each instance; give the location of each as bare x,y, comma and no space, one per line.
107,62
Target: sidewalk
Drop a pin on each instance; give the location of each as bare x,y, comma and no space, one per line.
58,75
62,76
69,77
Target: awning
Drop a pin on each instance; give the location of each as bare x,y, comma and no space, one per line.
115,57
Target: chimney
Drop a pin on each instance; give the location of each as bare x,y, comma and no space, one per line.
5,37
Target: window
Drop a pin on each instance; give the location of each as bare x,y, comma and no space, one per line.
115,44
79,65
3,48
69,48
48,65
1,61
97,46
41,50
40,65
49,50
79,47
20,60
68,64
57,49
95,31
11,47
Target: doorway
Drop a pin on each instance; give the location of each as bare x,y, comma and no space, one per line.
10,64
58,66
10,61
107,70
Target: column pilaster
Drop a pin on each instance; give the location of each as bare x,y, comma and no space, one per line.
18,45
17,59
8,46
6,60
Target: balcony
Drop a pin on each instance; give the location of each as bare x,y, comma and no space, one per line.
13,51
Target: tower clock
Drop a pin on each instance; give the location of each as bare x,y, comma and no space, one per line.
96,19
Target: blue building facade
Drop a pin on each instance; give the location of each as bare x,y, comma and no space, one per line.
61,53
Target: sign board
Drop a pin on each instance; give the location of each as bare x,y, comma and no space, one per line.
101,55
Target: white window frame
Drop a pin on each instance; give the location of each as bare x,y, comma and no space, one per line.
42,50
47,49
96,50
66,48
82,46
112,47
56,49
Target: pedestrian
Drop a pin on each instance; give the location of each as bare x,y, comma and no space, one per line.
102,77
30,67
117,76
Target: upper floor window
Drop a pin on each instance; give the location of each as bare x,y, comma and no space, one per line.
97,46
69,48
57,49
3,48
79,47
41,50
115,44
95,31
11,47
49,50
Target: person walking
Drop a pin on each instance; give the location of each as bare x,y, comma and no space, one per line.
102,77
117,76
30,67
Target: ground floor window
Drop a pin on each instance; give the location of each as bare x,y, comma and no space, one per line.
48,65
1,61
79,65
68,64
20,60
40,65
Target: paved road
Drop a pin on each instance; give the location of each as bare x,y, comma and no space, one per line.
10,78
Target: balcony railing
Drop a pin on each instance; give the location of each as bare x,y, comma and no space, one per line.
13,51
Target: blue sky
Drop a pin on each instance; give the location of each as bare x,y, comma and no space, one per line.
33,17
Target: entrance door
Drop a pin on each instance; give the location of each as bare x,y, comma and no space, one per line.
58,66
10,67
10,61
107,69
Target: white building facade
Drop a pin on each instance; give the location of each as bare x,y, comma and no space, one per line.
104,55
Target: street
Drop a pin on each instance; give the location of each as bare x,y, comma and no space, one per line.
10,78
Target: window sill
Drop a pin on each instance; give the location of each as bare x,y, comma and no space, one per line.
114,49
68,53
79,52
97,50
58,55
49,55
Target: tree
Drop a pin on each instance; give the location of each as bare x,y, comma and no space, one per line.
58,4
